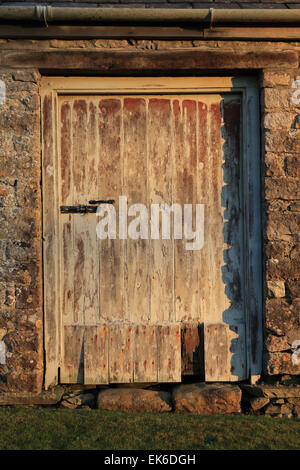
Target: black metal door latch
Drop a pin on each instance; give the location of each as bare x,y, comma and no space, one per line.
83,209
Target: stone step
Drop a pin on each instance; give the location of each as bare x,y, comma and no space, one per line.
207,399
135,400
47,397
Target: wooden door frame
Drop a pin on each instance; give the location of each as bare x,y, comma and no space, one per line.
51,88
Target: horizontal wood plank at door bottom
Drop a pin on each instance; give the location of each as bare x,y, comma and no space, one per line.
99,354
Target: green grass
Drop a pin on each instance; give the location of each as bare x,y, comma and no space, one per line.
56,429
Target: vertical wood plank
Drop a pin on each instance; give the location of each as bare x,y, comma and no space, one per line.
211,255
66,220
231,200
91,261
80,275
202,174
160,191
120,353
110,182
79,125
72,367
233,255
145,353
136,286
222,257
186,262
96,354
169,353
50,236
65,148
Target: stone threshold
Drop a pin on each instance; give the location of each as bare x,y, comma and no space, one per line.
193,398
47,397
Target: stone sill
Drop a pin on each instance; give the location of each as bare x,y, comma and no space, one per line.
195,398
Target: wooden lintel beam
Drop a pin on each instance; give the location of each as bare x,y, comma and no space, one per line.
254,34
110,62
148,32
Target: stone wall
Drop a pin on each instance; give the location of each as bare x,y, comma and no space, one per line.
21,337
281,146
21,328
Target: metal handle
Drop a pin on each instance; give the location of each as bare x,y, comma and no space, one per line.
109,201
83,209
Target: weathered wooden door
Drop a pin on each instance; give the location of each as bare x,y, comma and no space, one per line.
126,301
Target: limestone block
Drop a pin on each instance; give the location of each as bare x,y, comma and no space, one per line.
207,399
135,400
